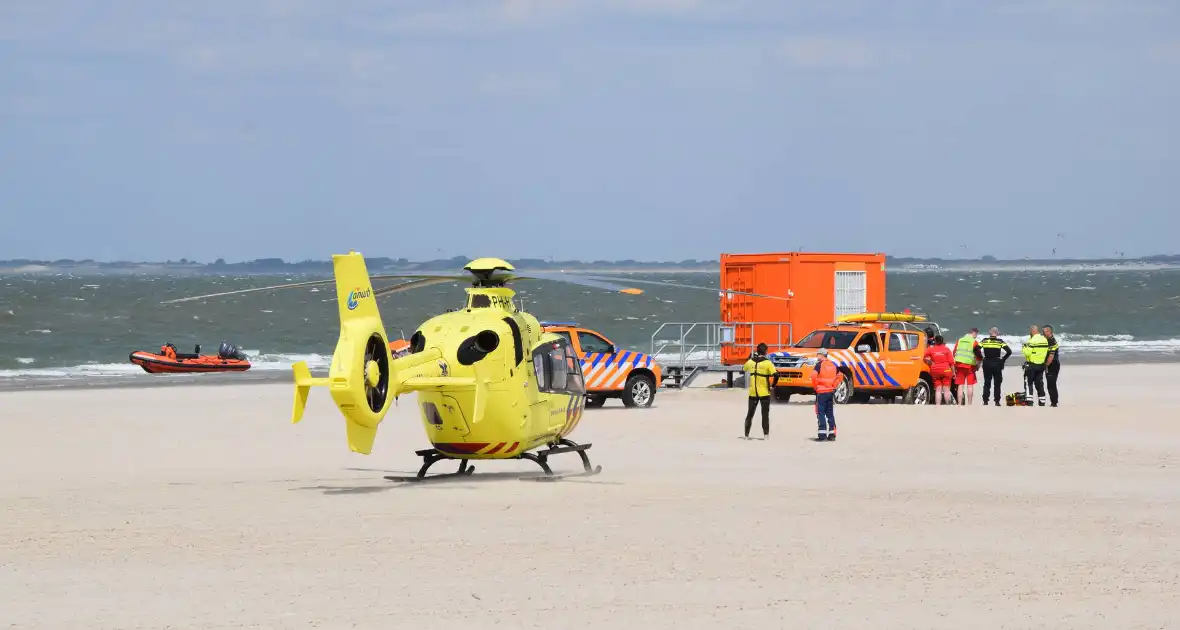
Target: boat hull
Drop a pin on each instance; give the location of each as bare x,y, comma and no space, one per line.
153,363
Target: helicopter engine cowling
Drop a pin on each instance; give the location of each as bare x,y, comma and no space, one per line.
477,346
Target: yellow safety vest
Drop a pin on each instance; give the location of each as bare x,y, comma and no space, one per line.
759,376
965,350
1036,349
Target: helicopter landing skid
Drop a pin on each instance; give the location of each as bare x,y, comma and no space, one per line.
565,446
431,456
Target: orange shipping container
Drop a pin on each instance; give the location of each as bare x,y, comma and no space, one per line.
820,288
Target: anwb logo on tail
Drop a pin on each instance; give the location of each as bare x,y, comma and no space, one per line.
357,294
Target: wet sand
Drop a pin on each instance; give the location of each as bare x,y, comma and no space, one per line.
202,507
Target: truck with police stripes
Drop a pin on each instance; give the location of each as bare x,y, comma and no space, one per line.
883,359
608,371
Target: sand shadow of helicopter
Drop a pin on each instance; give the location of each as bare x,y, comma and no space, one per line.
448,482
491,383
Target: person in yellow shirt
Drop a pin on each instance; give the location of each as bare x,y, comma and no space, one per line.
1036,351
759,372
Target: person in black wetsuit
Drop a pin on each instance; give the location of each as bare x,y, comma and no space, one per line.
1052,365
762,377
995,352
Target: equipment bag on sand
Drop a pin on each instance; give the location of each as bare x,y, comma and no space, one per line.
1017,399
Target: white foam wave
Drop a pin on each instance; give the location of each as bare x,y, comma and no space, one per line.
258,363
280,362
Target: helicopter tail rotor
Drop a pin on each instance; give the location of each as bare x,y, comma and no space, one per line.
359,379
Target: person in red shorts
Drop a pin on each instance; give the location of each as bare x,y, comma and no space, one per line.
967,357
940,359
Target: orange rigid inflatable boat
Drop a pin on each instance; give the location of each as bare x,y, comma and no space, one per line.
168,361
399,348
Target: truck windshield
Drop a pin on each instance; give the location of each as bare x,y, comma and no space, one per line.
834,339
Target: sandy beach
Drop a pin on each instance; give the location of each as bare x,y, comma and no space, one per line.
203,507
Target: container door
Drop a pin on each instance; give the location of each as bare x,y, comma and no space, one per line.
738,309
851,293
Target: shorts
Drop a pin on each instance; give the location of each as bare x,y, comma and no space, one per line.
964,374
941,380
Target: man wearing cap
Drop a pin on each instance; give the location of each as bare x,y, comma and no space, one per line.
825,378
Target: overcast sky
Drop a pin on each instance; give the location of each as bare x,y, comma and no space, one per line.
591,129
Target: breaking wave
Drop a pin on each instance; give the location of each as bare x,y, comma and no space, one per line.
280,362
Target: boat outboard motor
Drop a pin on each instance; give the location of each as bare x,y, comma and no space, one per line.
230,351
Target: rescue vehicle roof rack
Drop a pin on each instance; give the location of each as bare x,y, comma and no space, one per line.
890,325
547,324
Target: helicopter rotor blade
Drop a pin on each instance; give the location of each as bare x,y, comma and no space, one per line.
251,290
413,284
405,286
697,287
586,281
438,277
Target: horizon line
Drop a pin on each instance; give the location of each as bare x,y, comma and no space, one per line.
387,261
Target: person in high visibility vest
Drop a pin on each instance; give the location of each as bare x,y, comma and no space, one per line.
825,378
967,356
995,353
1036,352
1052,365
759,372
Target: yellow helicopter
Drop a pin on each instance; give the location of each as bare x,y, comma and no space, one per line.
491,383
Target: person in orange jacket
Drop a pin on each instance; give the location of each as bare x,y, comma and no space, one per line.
825,378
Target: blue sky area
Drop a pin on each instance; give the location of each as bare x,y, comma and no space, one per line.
644,129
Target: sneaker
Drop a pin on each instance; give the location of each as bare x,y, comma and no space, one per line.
822,436
832,436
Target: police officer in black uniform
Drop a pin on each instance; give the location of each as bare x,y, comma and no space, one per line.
1052,365
995,352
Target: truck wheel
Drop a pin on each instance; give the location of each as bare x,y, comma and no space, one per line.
594,401
843,392
639,391
782,396
919,394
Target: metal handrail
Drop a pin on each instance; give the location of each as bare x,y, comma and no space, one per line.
682,347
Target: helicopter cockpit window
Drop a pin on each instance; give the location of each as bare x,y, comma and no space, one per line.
560,373
575,382
540,365
564,334
558,369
